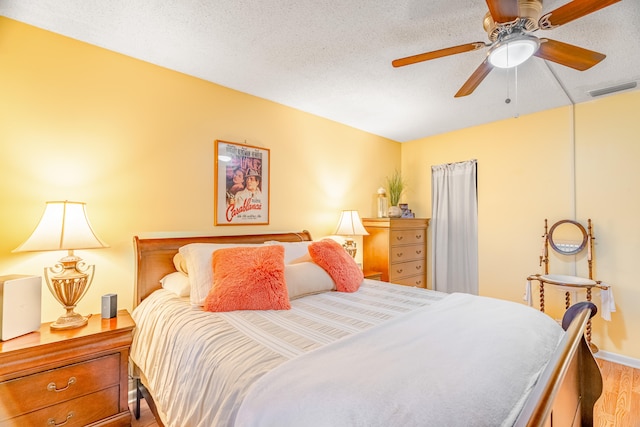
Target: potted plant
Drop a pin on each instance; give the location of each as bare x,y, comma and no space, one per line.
395,187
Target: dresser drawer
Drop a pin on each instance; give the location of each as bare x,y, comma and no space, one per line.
40,390
417,281
406,269
408,237
407,253
75,412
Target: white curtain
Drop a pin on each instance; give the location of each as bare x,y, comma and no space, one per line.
454,227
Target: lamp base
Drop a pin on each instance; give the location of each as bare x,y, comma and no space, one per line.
70,282
69,321
350,246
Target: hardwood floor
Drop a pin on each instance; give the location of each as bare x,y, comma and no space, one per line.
619,405
146,417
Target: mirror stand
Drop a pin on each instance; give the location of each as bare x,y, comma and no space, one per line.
567,237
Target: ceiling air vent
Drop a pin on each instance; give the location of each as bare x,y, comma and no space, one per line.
612,89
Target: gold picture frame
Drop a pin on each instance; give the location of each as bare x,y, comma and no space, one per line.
241,184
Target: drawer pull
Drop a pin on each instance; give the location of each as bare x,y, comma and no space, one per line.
419,251
52,421
418,236
418,267
399,270
399,254
53,387
399,238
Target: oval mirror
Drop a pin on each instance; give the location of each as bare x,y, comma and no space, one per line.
567,237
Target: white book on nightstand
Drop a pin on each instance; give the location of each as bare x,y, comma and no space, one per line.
20,305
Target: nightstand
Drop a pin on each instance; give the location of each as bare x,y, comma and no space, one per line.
373,275
73,377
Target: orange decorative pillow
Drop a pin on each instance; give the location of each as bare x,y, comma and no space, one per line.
332,257
248,278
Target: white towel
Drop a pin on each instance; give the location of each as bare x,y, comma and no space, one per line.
608,303
527,293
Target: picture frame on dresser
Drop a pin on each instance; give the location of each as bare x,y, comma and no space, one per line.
241,184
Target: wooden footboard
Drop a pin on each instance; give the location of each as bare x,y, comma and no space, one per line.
571,383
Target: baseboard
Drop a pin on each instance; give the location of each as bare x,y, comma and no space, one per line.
132,397
132,392
618,358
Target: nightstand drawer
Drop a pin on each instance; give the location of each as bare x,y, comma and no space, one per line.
47,388
76,412
408,237
407,253
406,269
417,281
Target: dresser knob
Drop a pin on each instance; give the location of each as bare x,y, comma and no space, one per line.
52,421
53,387
399,238
399,254
419,251
418,236
399,271
418,267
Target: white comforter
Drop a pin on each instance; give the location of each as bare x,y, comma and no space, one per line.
385,355
464,361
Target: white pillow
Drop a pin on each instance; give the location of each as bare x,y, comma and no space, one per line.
176,282
198,259
307,278
180,264
304,258
292,250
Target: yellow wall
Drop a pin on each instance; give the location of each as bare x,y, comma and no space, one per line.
560,164
135,141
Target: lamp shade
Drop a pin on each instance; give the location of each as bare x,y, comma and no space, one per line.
350,225
63,226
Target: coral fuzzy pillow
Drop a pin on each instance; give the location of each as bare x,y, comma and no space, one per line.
246,278
332,257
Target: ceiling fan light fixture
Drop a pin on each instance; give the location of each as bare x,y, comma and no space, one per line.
512,52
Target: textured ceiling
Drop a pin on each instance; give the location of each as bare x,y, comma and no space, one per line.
333,58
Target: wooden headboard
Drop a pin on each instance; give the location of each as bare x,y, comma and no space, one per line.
154,256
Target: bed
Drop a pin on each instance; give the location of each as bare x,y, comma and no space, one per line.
382,354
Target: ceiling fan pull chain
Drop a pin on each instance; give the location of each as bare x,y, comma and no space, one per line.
516,92
508,99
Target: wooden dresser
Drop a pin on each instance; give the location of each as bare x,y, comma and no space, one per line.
74,377
397,247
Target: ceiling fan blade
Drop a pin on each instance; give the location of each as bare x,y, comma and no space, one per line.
503,11
437,54
567,54
476,78
572,11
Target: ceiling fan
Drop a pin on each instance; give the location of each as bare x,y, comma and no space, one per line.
509,25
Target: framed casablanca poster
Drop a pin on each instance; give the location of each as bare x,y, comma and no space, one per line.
241,184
